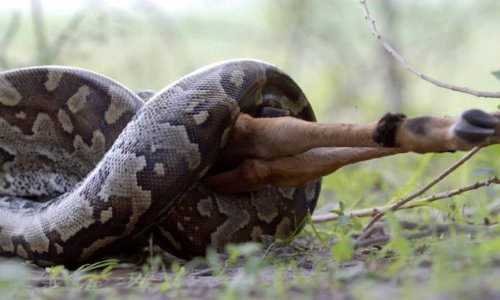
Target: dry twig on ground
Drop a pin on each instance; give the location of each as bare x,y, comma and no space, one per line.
373,211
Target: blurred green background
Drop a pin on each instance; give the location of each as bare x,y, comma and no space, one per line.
325,45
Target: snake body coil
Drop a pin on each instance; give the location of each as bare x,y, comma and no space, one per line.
87,166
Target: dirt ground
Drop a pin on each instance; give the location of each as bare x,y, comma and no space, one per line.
308,274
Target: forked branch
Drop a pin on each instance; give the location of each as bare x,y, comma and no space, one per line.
411,69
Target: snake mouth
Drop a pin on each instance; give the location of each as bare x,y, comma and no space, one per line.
271,112
221,167
224,165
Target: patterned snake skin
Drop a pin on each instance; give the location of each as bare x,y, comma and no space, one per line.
87,167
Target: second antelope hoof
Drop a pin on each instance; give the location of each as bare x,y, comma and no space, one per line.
476,126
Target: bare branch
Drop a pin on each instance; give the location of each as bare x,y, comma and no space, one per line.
411,69
371,212
422,190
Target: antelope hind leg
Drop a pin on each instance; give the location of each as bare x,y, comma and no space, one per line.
288,152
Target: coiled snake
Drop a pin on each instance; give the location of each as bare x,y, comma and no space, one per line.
86,166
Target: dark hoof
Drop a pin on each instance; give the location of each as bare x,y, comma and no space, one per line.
475,126
480,118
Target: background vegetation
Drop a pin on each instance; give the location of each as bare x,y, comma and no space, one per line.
328,48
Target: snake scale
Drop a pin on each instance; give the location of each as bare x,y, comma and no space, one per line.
88,167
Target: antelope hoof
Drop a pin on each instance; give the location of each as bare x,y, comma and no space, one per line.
475,126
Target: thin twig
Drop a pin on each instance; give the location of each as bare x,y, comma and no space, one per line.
422,190
371,212
204,272
412,70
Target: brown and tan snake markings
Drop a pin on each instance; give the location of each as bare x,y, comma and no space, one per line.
222,155
86,165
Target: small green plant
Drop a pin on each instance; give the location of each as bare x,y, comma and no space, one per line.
321,236
399,249
345,223
343,249
87,270
175,281
86,275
